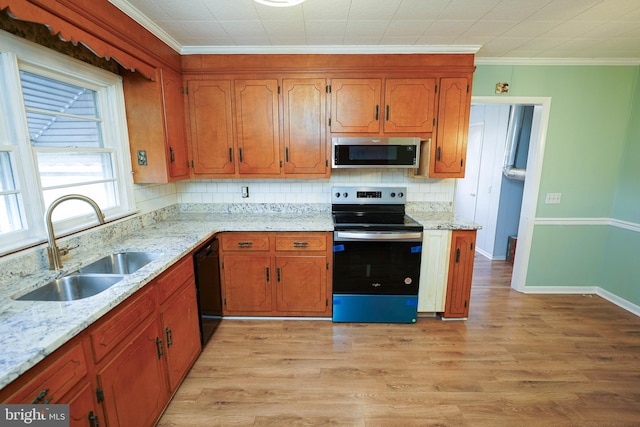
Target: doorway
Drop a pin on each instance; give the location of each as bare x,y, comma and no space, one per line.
467,189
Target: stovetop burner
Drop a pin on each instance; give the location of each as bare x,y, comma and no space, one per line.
371,208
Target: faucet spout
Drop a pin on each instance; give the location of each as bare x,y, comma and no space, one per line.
54,253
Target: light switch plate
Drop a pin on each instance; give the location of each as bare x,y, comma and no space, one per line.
553,198
245,192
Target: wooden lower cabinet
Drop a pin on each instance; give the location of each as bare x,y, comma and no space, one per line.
63,377
461,259
247,280
181,329
122,370
134,383
276,274
301,285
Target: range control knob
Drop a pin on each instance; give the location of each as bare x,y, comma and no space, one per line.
393,194
345,195
401,194
337,194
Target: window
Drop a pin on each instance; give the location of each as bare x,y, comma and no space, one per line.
62,131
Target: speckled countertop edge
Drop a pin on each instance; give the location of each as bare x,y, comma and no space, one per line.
30,330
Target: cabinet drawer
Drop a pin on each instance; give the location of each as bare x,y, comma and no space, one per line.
115,328
173,279
245,242
301,242
60,376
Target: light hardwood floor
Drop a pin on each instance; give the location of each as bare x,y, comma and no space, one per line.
519,360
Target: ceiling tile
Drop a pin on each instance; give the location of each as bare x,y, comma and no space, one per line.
559,10
420,9
406,28
245,29
326,10
468,10
369,11
186,10
232,10
366,29
317,28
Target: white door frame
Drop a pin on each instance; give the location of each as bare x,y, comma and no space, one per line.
533,175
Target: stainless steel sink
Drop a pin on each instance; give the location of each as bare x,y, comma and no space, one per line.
73,287
120,263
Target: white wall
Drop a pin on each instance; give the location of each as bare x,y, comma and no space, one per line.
495,119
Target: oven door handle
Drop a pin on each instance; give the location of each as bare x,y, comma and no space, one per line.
380,236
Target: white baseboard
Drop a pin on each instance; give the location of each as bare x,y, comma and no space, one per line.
589,290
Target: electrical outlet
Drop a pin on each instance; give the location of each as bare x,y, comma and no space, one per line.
553,198
245,192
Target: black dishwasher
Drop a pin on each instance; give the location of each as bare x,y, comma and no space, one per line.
207,271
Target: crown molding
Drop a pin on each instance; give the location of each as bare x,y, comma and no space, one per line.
558,61
330,49
148,24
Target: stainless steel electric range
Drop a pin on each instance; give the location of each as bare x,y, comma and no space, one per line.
377,251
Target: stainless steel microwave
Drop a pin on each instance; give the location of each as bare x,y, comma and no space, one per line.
402,152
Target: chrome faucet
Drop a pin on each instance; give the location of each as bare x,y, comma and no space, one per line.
52,249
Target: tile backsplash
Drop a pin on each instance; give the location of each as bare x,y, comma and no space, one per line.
310,190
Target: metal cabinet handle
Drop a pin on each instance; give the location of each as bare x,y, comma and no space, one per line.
268,275
240,150
172,154
286,154
377,109
245,244
438,153
169,336
230,155
159,347
93,420
386,116
301,244
42,397
278,271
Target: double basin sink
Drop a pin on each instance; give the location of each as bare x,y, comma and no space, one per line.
93,278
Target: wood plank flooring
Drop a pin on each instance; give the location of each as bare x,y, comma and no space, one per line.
519,360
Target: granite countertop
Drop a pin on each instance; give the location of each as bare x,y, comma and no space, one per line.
31,330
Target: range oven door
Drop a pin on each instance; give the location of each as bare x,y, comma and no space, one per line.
376,276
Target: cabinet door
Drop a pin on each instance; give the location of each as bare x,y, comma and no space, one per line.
450,145
301,285
175,126
134,382
355,105
83,408
181,328
409,105
461,260
304,126
433,270
257,126
246,284
211,128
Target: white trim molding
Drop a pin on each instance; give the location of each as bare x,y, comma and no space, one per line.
585,290
610,222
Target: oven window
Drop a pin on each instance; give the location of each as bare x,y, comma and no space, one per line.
376,267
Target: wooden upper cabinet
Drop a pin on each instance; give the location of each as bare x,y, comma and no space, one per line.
355,105
409,105
175,126
304,126
210,126
257,126
449,148
155,121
